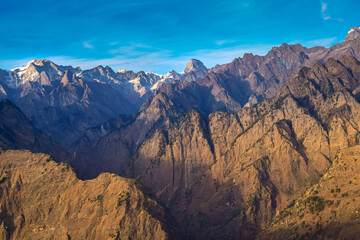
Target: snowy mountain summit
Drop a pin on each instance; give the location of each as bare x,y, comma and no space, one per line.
353,34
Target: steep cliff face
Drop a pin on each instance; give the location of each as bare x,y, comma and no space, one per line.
328,209
170,162
243,174
42,199
228,175
121,143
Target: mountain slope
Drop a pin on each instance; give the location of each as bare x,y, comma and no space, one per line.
227,175
243,82
17,132
64,101
250,79
66,111
42,199
328,209
61,104
224,175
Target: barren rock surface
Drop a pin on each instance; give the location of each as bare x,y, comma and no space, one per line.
43,199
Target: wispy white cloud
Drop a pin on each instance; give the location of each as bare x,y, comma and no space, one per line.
325,42
88,45
131,49
324,6
223,42
325,12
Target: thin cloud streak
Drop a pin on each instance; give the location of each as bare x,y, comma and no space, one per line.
223,42
324,6
324,42
325,15
88,45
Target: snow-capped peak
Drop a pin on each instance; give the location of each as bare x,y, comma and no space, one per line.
21,70
353,34
354,29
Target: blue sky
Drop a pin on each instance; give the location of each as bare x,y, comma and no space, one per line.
161,35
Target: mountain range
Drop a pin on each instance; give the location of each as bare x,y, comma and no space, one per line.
64,101
248,149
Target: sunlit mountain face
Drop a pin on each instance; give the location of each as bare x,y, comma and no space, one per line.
179,120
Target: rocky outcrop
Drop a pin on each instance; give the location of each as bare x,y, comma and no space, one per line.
43,199
195,70
353,34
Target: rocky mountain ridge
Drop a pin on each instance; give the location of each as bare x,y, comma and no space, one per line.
64,102
255,161
43,199
228,89
104,94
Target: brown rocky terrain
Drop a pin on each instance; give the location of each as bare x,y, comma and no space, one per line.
43,199
243,82
327,210
228,175
232,174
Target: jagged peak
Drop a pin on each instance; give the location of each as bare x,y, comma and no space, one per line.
173,72
24,67
286,48
42,62
35,64
103,70
99,67
122,70
194,65
354,29
353,34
